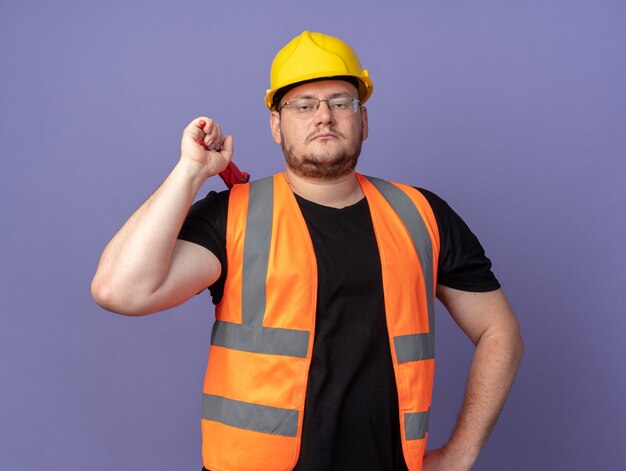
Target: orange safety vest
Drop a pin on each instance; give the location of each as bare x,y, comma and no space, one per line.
262,339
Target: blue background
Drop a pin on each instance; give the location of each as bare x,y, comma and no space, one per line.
514,112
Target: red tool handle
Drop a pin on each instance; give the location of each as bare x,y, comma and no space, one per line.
232,175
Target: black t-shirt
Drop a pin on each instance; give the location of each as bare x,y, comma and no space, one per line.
351,412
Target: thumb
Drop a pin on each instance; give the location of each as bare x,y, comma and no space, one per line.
227,148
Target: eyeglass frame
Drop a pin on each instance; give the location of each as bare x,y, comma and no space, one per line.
356,103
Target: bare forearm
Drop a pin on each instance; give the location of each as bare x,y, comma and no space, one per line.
491,375
490,323
137,259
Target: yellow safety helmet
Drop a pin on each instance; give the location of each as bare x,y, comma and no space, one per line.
313,56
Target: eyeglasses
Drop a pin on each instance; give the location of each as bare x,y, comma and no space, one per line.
307,107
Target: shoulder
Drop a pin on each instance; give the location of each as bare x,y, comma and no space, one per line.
212,209
447,219
439,206
206,220
213,200
462,262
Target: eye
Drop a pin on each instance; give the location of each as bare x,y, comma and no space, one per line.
304,105
303,108
341,104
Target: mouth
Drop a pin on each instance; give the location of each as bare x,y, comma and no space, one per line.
323,136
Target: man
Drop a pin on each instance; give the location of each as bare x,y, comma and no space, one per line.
322,350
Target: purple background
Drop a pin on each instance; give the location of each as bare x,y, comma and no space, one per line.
514,112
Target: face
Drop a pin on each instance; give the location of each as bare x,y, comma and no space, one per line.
327,145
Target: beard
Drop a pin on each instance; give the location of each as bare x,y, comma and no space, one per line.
320,165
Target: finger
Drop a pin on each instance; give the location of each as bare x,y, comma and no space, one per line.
228,149
215,139
199,127
214,134
208,143
201,143
219,137
194,125
207,125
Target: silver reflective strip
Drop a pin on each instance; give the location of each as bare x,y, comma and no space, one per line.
258,339
419,346
416,424
248,416
414,347
256,250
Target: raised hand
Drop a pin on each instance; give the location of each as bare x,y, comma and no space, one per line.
204,145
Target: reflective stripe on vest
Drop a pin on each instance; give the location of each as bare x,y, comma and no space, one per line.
416,424
248,416
255,347
259,339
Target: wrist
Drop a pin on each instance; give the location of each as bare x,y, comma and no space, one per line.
193,172
464,456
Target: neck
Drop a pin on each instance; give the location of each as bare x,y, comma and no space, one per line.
337,193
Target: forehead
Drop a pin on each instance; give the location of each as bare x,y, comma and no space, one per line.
322,88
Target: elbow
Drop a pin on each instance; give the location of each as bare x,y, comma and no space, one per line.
507,344
519,348
112,299
515,341
101,292
514,345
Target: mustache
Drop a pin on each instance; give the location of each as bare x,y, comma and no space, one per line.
332,131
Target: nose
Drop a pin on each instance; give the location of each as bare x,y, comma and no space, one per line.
323,114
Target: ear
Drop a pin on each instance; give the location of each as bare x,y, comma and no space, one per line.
275,126
364,123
